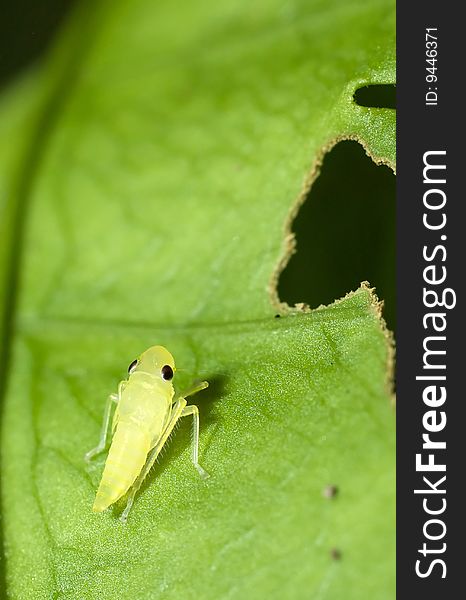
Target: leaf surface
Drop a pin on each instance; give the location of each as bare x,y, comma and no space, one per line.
163,153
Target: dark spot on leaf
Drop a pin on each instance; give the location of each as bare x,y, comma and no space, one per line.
335,554
330,491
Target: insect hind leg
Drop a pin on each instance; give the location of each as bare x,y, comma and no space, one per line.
194,411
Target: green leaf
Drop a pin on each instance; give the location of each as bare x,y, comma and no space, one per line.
157,155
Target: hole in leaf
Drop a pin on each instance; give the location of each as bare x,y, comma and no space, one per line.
376,96
345,233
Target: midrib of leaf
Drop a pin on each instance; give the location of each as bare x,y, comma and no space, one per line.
51,86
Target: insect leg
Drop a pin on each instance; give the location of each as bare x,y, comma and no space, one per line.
194,388
193,410
175,415
113,398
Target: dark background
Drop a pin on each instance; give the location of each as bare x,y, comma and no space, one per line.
420,129
26,29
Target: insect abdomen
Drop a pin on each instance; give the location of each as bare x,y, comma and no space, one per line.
125,460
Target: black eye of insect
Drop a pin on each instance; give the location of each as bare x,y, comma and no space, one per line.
167,372
132,366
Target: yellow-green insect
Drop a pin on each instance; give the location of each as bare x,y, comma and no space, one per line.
145,415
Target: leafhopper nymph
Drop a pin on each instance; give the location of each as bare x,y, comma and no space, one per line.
145,415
